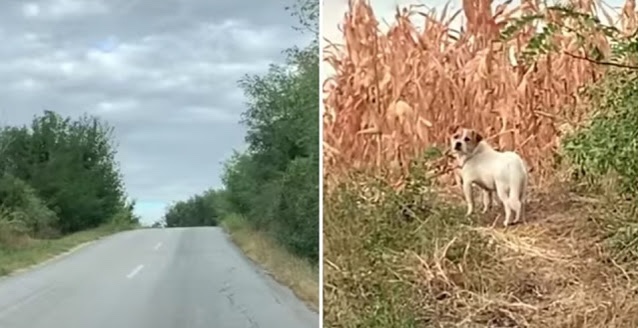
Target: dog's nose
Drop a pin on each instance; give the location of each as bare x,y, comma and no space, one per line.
457,146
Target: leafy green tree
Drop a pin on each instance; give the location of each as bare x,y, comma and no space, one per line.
68,166
275,183
195,211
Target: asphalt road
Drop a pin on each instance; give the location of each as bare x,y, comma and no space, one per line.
151,278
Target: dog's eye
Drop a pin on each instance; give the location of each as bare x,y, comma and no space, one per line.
456,136
466,139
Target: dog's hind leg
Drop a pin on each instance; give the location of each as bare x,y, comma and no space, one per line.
502,193
517,203
517,199
517,207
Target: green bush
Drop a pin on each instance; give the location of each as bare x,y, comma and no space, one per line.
607,148
373,234
124,218
608,145
13,236
234,222
22,207
297,227
263,210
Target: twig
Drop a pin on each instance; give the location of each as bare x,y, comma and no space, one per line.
334,266
624,272
600,62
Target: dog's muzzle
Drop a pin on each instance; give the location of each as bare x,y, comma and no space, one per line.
457,146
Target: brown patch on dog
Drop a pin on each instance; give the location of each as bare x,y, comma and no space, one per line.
475,136
454,130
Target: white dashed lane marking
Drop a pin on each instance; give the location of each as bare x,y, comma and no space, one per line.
135,271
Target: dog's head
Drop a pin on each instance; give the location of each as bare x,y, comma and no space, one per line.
464,141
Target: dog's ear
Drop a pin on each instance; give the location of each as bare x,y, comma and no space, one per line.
453,129
477,137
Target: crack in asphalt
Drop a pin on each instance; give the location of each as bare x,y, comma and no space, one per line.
226,290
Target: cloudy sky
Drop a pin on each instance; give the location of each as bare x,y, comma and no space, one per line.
163,73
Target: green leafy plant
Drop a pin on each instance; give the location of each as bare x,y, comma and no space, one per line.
582,25
609,143
604,155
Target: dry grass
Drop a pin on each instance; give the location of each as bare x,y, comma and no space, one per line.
298,274
441,270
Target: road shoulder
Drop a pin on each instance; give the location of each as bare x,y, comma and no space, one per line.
36,252
285,269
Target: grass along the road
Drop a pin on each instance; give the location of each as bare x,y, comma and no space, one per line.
410,258
296,273
24,252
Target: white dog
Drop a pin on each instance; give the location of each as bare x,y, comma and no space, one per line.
491,170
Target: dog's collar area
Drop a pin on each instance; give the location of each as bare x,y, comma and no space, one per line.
466,158
463,161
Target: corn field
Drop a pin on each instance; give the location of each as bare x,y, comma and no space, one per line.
396,93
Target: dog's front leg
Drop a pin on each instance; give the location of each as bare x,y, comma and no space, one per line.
467,191
487,200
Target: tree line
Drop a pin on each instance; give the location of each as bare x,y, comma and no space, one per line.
198,210
274,184
58,175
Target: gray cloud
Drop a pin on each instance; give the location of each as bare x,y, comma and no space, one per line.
163,73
